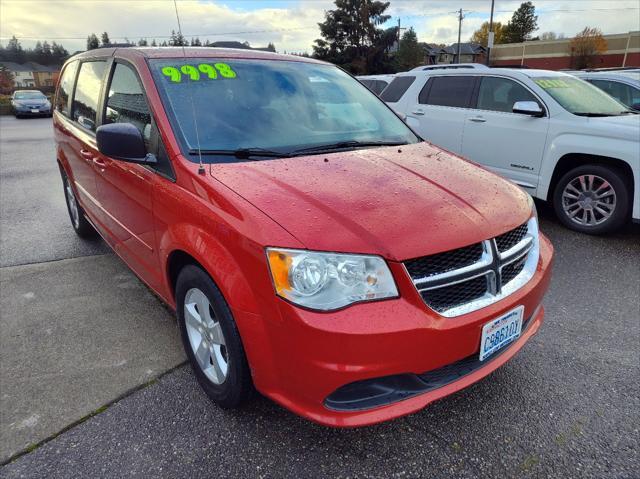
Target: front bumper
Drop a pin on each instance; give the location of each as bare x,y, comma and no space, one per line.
39,111
312,355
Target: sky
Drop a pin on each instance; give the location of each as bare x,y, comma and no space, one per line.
290,24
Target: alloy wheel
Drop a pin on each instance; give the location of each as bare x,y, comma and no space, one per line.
588,200
205,336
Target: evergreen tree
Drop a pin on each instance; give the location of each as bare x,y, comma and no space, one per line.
142,42
105,39
351,37
14,51
177,40
92,42
153,43
522,24
271,47
410,53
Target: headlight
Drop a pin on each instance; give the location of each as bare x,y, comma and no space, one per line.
326,281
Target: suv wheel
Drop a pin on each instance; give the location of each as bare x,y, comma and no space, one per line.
592,199
211,339
82,227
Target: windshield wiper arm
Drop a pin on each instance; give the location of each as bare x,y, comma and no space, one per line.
346,144
594,115
242,153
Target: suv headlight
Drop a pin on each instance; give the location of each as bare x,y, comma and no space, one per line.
327,281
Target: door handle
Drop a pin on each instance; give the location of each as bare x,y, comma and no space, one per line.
477,119
100,164
86,154
418,112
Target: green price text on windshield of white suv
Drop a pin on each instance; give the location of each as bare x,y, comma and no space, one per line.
546,84
176,74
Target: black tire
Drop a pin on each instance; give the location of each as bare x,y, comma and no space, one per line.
80,224
237,386
620,212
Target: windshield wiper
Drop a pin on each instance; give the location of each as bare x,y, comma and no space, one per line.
346,144
242,153
594,115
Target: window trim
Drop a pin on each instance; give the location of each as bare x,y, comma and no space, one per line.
154,143
107,62
72,91
429,85
476,94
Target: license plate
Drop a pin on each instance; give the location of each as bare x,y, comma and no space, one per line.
35,110
499,332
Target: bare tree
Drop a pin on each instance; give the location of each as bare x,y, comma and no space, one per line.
586,46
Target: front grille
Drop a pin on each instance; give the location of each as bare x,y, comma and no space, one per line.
444,262
511,238
465,279
447,297
512,270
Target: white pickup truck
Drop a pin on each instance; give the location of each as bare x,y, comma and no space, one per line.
560,138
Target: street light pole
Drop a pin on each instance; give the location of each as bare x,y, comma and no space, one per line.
490,36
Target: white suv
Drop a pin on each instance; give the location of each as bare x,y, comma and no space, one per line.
557,136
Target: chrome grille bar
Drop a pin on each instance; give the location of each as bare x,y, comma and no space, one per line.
445,292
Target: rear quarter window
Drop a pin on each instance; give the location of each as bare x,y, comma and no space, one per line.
397,88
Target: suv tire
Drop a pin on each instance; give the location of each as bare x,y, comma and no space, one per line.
592,199
211,339
80,224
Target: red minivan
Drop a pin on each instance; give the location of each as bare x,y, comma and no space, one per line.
313,246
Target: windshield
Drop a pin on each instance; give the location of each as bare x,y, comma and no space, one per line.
579,97
29,95
280,106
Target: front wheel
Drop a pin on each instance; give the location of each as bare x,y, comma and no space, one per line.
592,199
80,224
211,339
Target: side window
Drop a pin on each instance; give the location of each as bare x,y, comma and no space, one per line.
499,94
65,87
453,91
397,88
126,102
87,95
619,91
379,86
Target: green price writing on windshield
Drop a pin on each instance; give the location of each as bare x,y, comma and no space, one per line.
176,74
546,84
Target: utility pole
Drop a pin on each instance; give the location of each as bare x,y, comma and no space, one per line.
490,36
399,30
460,17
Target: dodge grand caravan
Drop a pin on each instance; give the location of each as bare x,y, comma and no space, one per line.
313,247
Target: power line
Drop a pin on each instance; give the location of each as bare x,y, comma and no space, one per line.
84,37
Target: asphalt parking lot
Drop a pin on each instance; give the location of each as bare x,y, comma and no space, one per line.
91,381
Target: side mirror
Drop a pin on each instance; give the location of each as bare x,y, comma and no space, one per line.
530,108
635,106
123,141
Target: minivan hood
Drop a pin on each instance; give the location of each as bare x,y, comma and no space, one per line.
399,202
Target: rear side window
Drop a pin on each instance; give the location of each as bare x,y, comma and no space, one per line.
453,91
87,95
499,94
397,88
126,102
65,87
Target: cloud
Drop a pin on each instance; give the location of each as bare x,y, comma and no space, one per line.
290,25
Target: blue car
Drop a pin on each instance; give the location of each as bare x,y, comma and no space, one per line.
30,103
